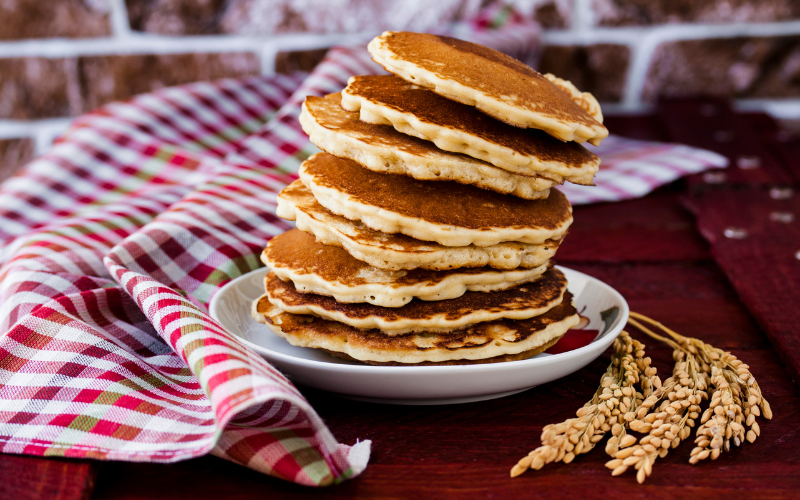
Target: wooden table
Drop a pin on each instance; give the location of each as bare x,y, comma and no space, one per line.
648,249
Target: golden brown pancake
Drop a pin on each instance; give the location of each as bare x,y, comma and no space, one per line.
496,359
458,128
381,148
495,83
398,251
448,213
495,341
521,302
328,270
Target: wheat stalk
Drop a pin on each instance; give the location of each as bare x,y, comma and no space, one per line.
666,417
735,403
616,397
665,413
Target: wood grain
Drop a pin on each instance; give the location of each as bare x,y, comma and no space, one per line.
33,478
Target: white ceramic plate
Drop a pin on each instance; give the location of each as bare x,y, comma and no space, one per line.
604,306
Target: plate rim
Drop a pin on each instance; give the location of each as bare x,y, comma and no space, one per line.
604,340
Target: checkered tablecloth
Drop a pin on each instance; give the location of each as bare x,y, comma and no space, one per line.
115,240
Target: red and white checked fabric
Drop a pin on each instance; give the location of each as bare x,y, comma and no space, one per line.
631,169
113,243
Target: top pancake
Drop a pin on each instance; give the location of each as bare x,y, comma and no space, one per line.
495,83
446,212
458,128
381,148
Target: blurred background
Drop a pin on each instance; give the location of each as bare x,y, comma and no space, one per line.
61,58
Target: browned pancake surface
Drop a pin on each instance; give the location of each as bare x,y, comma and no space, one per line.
427,106
328,113
547,290
495,359
487,70
302,253
443,202
473,336
305,201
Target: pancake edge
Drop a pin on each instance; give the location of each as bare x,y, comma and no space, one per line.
583,99
493,107
445,167
386,221
434,324
457,141
502,256
503,358
386,295
551,332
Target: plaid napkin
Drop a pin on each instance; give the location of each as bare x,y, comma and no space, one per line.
113,243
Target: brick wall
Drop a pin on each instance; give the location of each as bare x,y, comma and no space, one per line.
59,58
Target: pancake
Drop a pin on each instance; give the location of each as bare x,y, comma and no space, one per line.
583,99
493,82
495,359
328,270
521,302
458,128
398,251
381,148
495,341
448,213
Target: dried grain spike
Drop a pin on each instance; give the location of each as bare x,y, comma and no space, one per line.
629,379
734,406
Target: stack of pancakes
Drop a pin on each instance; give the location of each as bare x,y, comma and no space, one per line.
426,226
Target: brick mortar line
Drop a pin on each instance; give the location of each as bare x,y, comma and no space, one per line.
669,33
641,58
583,17
118,15
267,57
60,48
138,43
43,132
